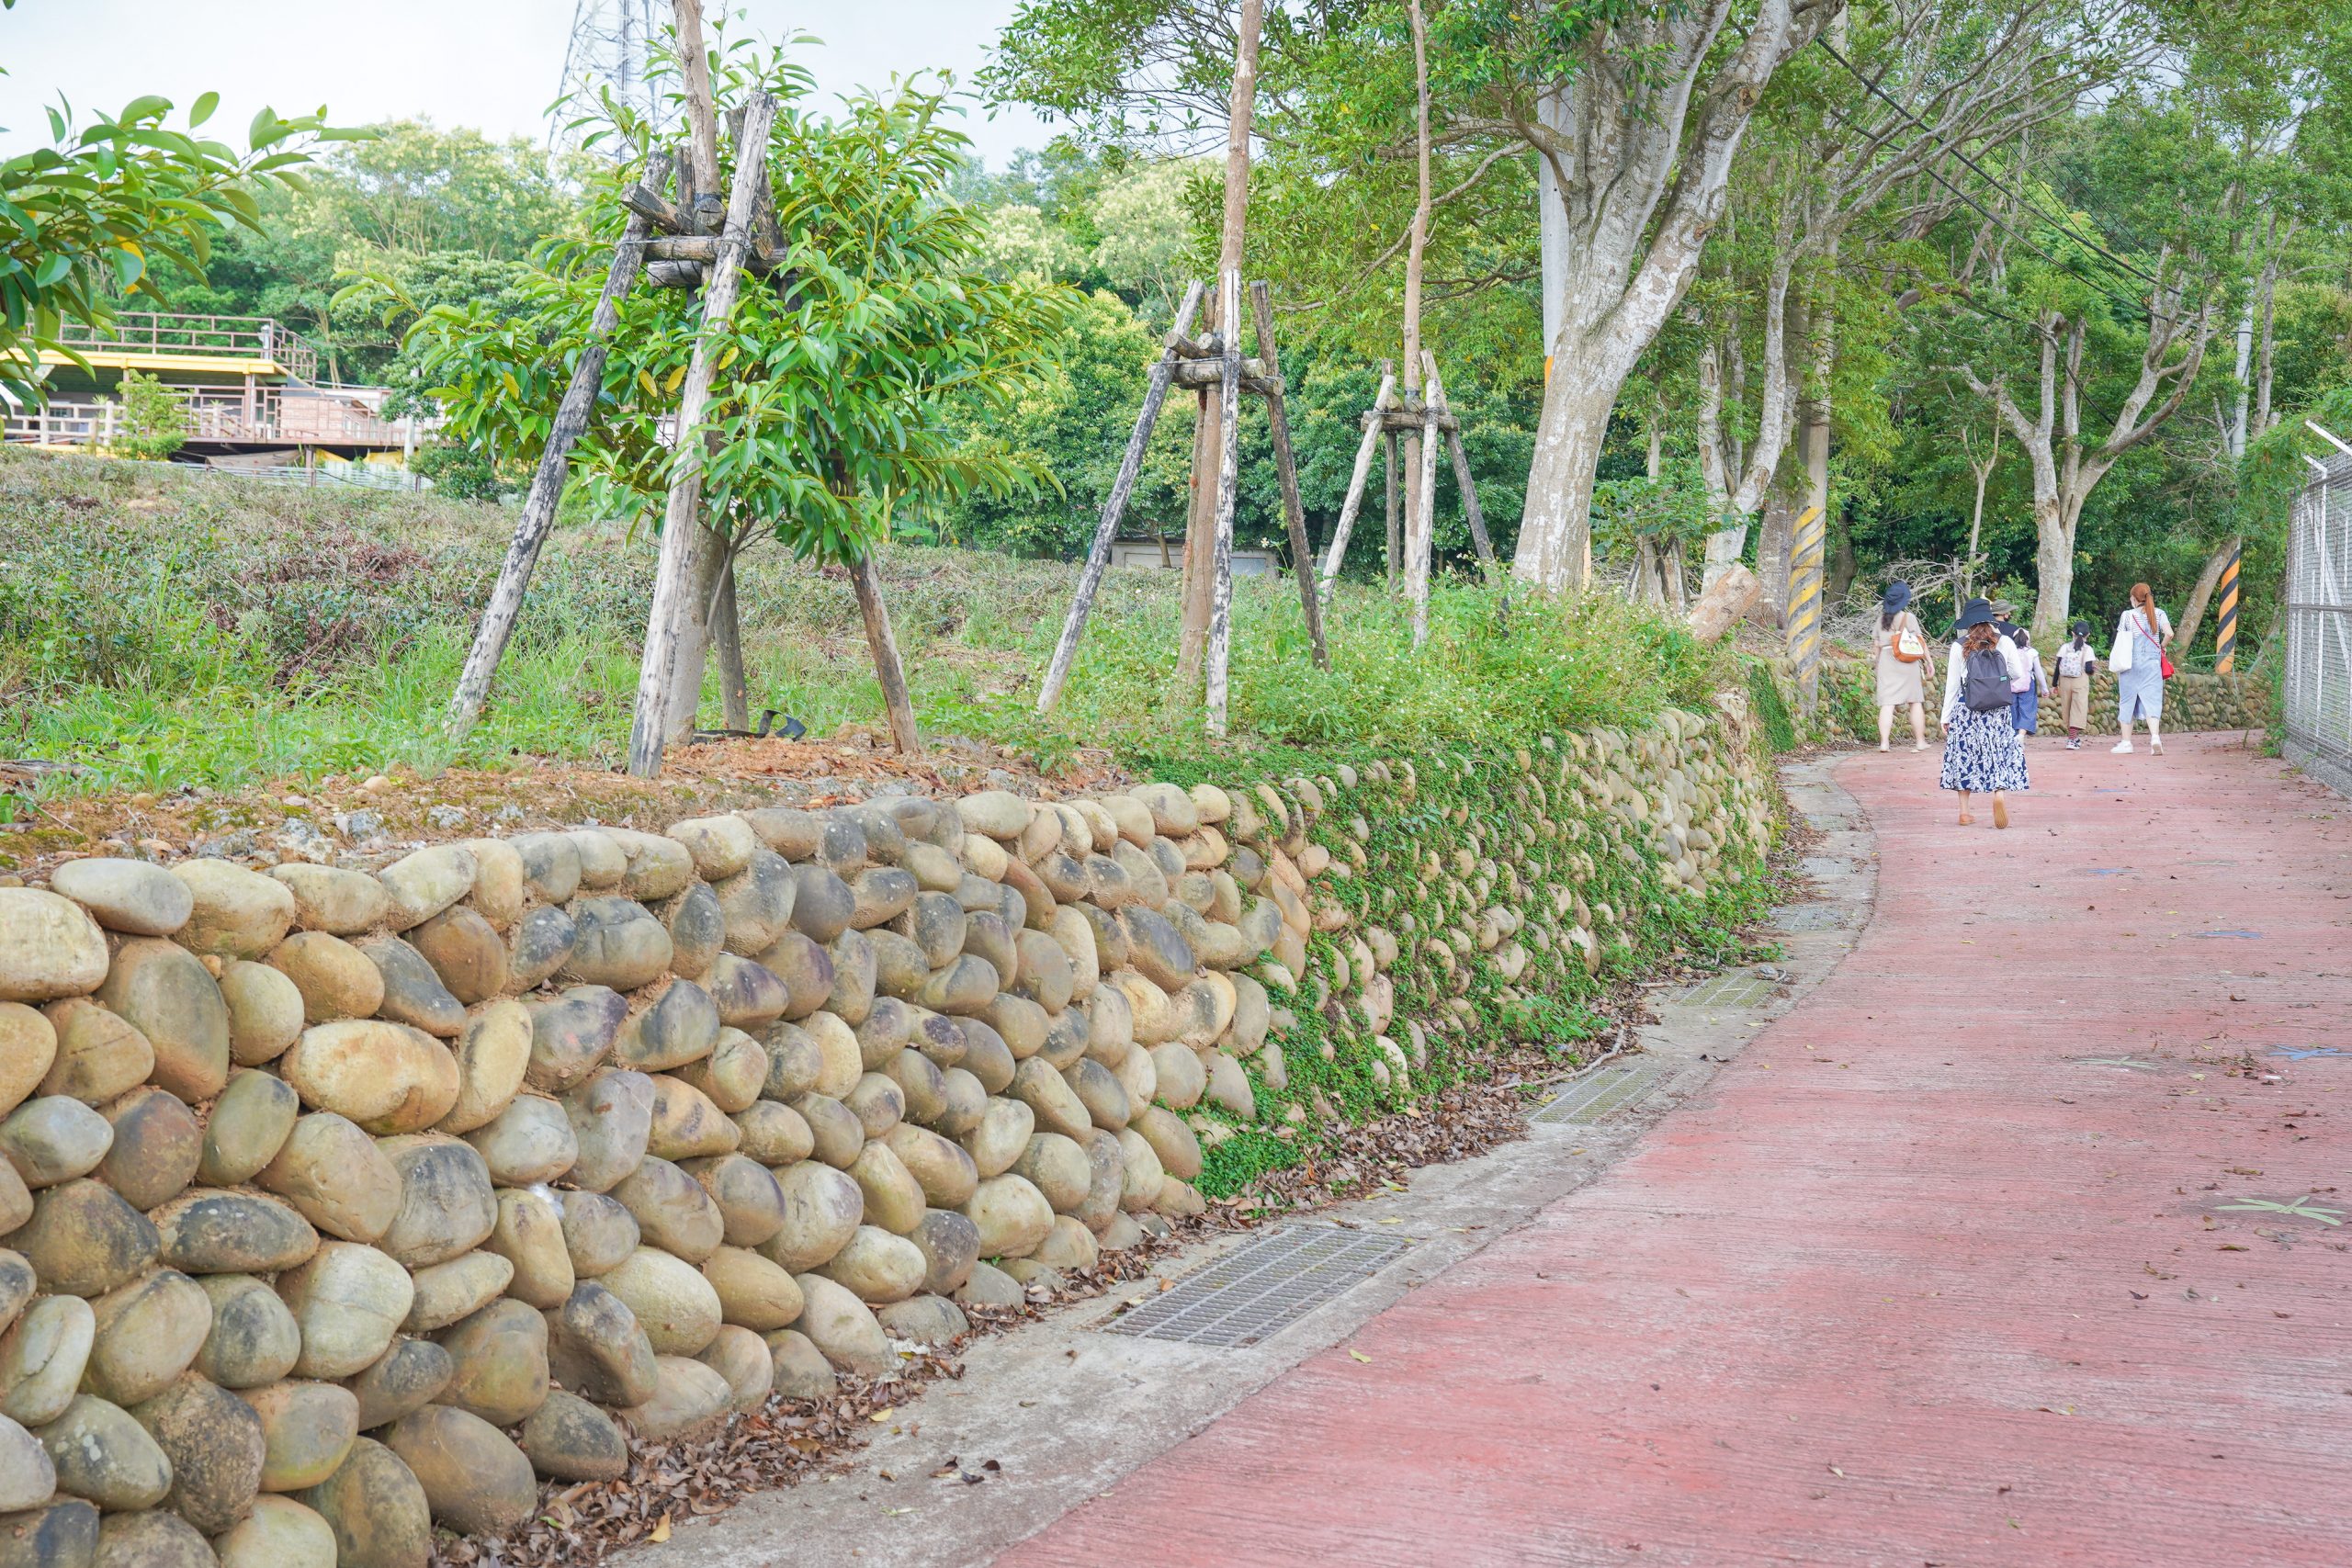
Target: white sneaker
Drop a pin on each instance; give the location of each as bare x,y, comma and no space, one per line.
2121,748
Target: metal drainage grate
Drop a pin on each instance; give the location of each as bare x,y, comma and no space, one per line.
1262,1288
1608,1090
1734,990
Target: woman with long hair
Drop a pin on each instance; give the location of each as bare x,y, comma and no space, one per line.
1904,666
1984,751
2141,634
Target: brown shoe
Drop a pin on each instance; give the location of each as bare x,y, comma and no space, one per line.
2001,813
1967,818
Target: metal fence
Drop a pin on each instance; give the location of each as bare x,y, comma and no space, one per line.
2319,624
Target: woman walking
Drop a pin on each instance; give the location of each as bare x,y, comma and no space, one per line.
2139,666
1983,750
1904,666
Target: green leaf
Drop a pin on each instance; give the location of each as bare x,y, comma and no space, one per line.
205,103
52,267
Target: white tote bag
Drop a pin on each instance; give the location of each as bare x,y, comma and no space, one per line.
2120,661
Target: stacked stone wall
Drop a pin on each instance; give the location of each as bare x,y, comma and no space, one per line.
341,1200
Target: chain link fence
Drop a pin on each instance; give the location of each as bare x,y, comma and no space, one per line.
2319,625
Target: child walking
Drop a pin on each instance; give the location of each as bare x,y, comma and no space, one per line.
2078,661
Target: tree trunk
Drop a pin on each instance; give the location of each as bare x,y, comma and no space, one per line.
1775,542
674,603
1418,471
1649,584
2263,417
1422,526
1844,567
702,107
884,646
1555,530
2246,388
2054,565
498,617
2202,596
1200,532
684,700
727,633
1643,159
1229,483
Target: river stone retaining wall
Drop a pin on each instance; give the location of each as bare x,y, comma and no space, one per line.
341,1200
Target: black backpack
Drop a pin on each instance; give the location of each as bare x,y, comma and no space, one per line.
1987,683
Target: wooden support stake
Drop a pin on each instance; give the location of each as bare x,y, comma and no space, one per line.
647,201
1114,507
1424,530
702,109
904,736
1302,554
1229,484
1465,484
505,605
1452,428
1338,549
681,516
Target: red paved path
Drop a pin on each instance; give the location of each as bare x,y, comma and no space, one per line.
1900,1239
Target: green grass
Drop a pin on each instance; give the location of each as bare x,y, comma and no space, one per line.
164,631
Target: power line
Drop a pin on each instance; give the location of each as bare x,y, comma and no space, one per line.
2062,223
1937,175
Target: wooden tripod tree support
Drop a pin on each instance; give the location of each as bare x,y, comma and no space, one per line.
1433,421
505,605
673,586
695,242
1213,359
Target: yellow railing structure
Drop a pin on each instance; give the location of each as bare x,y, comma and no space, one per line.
162,340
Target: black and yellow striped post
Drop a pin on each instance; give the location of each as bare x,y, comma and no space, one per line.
1804,607
2226,623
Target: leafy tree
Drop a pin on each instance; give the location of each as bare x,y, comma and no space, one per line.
154,423
832,416
84,220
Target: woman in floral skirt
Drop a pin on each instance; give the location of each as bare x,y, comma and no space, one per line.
1984,751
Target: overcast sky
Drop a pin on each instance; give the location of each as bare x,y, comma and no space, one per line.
493,64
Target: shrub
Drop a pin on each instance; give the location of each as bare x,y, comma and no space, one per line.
154,423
